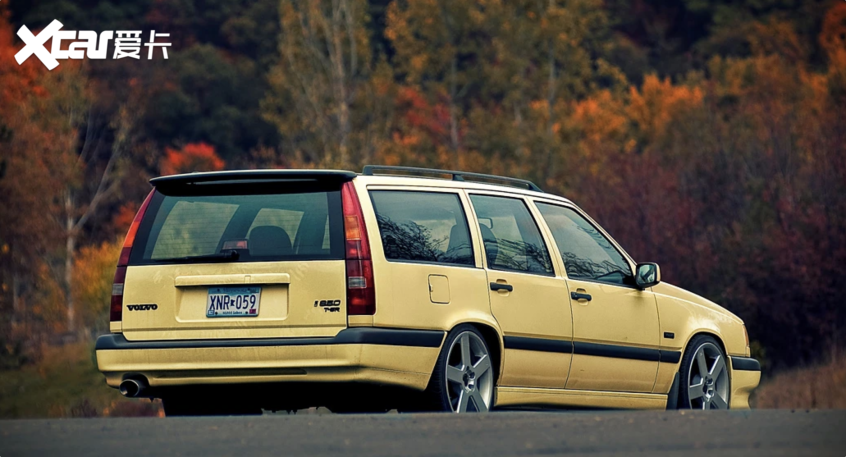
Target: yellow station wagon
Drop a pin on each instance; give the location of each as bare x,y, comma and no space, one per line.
401,288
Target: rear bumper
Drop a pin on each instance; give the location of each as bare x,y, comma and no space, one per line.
369,355
745,377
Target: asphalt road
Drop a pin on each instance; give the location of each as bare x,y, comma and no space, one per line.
747,433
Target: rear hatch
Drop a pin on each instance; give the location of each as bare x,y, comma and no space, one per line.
239,255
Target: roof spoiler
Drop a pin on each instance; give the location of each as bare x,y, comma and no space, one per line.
253,177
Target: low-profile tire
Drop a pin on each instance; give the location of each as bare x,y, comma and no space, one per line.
704,382
175,406
464,377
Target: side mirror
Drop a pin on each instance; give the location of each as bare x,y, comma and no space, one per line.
647,275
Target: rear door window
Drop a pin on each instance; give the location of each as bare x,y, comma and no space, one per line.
511,236
281,225
423,227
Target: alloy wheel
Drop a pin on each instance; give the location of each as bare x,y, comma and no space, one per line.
708,383
469,379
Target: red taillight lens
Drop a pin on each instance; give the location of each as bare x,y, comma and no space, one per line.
116,307
361,293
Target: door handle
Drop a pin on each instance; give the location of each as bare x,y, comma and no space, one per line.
580,296
497,287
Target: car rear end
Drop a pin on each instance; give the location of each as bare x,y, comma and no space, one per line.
252,277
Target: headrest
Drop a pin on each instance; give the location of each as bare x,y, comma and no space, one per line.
491,244
269,240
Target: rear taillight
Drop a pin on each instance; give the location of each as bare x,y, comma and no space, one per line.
116,307
361,293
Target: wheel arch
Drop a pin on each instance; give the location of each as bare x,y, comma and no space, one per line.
493,339
712,334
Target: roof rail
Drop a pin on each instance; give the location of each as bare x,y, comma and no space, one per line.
456,175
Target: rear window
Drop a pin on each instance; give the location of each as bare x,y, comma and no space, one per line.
266,225
423,227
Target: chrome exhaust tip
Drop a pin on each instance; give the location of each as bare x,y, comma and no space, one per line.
133,387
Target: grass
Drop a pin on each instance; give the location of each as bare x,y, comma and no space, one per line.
821,386
65,383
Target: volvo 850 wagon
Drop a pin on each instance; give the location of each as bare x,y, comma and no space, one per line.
400,288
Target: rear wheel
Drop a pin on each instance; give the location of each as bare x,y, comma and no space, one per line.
705,382
463,380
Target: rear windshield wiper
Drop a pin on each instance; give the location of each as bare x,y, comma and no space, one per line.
230,255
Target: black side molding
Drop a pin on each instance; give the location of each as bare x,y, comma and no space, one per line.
745,364
380,336
599,350
538,344
669,356
617,352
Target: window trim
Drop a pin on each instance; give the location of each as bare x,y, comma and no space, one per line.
371,189
598,228
529,208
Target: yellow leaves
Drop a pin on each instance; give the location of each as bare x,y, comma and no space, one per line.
93,273
599,118
418,62
538,105
556,127
658,103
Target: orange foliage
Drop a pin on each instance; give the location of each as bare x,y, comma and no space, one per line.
833,35
192,157
658,103
123,219
433,120
93,273
16,81
600,119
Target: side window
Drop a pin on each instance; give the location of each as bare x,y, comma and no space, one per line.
512,239
423,227
587,254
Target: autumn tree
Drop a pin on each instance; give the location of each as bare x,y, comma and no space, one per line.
190,158
505,73
25,183
329,94
61,164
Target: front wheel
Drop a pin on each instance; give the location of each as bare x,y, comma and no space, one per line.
463,379
705,381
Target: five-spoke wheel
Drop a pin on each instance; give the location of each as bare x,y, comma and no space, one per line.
705,375
463,380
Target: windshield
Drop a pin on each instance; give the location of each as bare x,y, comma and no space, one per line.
269,223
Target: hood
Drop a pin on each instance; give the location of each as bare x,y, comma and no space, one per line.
670,290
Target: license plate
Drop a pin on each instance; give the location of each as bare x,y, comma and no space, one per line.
233,302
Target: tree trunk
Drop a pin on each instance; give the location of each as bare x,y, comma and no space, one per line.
550,101
453,118
340,87
16,306
70,246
